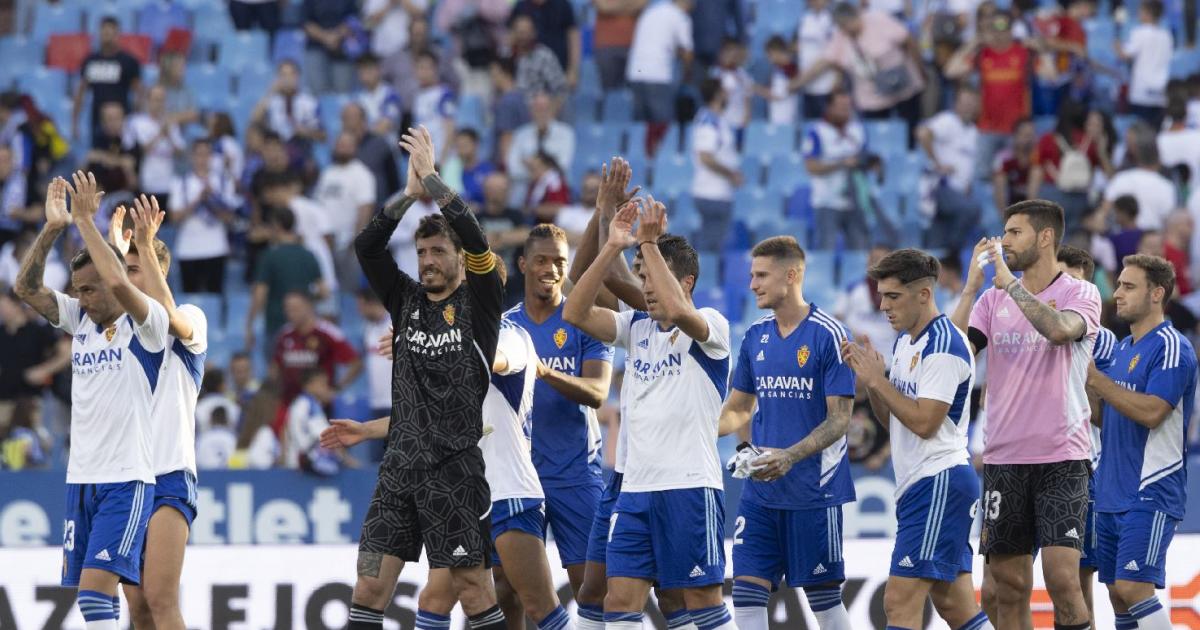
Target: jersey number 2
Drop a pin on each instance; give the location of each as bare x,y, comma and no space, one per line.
739,526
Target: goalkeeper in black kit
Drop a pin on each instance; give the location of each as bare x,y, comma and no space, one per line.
431,491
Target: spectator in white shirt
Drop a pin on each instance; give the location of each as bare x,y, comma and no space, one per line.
662,34
216,445
287,110
1149,48
1155,194
832,148
228,157
201,204
813,35
782,102
716,167
158,139
379,101
1179,144
950,141
388,21
543,133
13,212
312,224
434,106
346,191
305,420
214,398
736,83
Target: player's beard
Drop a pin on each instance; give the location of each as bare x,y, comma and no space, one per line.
1023,260
1131,315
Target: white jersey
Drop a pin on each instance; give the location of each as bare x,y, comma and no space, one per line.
508,410
671,398
114,375
173,433
937,365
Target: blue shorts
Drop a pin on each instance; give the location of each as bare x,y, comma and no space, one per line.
804,545
1087,556
934,521
105,528
176,490
569,514
1133,546
517,515
597,551
674,538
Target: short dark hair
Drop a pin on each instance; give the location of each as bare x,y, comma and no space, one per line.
435,225
1154,8
777,42
906,265
506,65
843,11
427,53
779,248
213,380
468,132
284,219
368,59
709,88
84,258
1042,214
311,374
110,20
160,252
681,257
1077,257
951,262
545,231
199,142
239,356
1126,204
1159,272
367,295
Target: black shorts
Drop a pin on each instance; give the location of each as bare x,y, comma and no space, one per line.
1027,506
445,509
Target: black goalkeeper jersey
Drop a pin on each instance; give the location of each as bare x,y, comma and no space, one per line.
442,351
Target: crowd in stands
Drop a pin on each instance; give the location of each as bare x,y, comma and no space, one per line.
267,130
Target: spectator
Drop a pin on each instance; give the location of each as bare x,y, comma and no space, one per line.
241,375
882,60
379,100
1067,159
33,353
180,102
1013,166
737,85
1064,67
373,151
1149,49
287,110
113,157
950,141
308,342
1005,69
813,36
716,167
202,203
542,134
663,34
110,74
612,37
473,168
510,108
228,159
255,14
832,149
14,212
950,282
1179,144
13,252
506,227
257,445
276,164
400,68
434,105
574,218
346,192
782,102
16,133
538,70
377,324
216,445
327,27
306,418
1177,238
1155,194
858,308
714,21
548,191
158,140
286,267
213,401
554,22
867,442
388,21
312,223
1127,235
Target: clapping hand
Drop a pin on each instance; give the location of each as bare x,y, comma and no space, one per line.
85,196
866,362
614,180
654,220
421,154
147,218
117,234
620,231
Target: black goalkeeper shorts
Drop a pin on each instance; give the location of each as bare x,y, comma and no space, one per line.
1028,506
445,509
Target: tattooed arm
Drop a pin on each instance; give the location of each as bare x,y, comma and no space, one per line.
837,420
29,285
1060,327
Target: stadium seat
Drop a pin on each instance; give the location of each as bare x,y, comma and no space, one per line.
178,40
239,49
289,44
589,79
618,106
886,137
752,169
786,173
634,144
584,108
735,271
157,19
66,51
19,53
254,80
49,19
471,112
138,45
43,83
672,173
211,23
769,140
600,141
330,110
210,83
756,206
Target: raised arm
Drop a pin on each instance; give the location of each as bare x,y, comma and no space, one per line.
147,218
589,388
29,286
85,200
581,309
672,297
1059,327
371,245
961,317
737,411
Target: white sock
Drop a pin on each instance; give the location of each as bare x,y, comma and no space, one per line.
835,618
589,617
102,624
623,625
751,617
1151,615
588,624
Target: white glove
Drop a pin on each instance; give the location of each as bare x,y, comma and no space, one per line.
741,465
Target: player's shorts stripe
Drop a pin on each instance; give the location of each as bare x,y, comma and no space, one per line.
135,515
837,534
710,527
933,519
1156,533
829,533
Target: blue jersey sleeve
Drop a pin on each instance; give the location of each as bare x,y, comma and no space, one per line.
743,374
838,377
1173,369
594,350
1102,352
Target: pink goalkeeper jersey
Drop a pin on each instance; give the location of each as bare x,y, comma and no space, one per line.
1036,404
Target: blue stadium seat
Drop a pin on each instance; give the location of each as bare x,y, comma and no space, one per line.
819,270
239,107
585,108
589,79
19,53
98,10
618,106
43,83
599,141
672,173
239,49
212,304
156,18
735,271
254,80
786,173
753,169
635,140
210,22
756,207
769,140
778,16
49,19
330,106
886,137
210,83
471,112
289,44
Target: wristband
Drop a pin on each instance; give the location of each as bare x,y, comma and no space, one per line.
1009,286
645,242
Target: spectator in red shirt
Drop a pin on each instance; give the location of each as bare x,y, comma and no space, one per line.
1062,69
1012,167
548,191
307,343
1077,131
1005,67
1154,243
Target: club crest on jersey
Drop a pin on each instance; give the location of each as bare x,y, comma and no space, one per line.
448,314
802,355
560,337
674,336
1053,304
912,365
1134,361
109,332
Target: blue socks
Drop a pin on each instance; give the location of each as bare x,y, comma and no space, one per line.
978,622
556,620
1125,621
678,619
96,606
711,618
431,621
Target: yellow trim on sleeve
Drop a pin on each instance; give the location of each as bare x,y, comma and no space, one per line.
480,264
